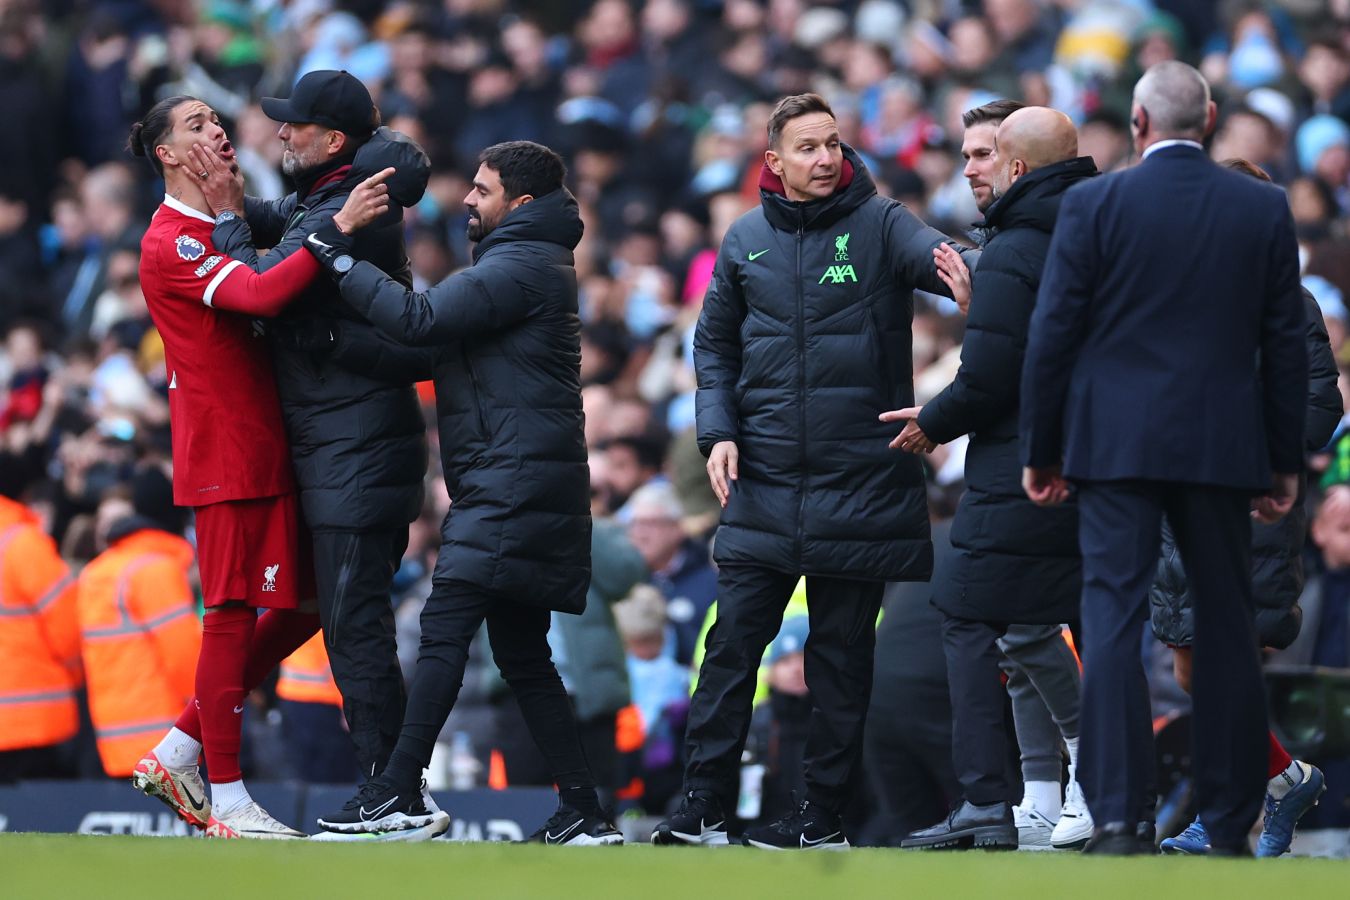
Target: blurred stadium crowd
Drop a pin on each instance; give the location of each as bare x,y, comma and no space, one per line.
659,107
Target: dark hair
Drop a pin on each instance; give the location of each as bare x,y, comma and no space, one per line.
1246,167
153,130
1328,42
525,168
994,112
649,451
1109,118
794,107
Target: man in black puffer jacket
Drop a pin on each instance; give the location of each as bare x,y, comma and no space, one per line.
1277,583
517,541
358,441
1014,563
803,341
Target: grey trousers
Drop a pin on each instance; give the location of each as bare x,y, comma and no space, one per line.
1044,684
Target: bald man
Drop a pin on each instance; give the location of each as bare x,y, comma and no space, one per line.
1162,284
1014,563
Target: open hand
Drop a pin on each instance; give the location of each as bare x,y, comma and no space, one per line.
221,181
367,202
951,268
723,468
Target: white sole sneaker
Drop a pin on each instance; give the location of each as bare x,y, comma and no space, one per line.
707,837
586,840
251,822
838,845
440,825
392,822
1034,828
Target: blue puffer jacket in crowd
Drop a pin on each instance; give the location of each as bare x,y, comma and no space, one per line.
805,337
1277,550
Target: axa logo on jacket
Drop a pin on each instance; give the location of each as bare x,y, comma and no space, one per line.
838,274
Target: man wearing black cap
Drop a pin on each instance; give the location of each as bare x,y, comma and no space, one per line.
358,441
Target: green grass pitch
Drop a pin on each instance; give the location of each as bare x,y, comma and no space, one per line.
74,867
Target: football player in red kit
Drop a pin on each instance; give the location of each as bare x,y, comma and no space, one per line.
231,464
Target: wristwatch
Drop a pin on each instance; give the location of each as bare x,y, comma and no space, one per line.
343,264
225,216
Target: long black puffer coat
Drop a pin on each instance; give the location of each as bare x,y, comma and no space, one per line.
358,440
1277,550
1014,561
508,400
804,339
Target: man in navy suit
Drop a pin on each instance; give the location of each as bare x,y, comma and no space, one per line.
1165,373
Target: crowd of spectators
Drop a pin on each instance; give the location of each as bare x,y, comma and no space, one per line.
659,108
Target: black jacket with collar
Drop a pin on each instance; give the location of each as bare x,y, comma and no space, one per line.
805,337
358,440
1014,561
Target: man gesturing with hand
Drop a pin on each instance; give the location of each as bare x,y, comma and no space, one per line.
804,337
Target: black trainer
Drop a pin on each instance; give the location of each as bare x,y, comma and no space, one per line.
808,827
699,820
570,828
379,806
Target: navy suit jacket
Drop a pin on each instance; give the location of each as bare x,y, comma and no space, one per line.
1167,341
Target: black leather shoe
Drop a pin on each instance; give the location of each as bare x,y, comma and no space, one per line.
969,826
1146,833
1120,839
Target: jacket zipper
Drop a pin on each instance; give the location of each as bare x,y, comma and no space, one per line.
801,394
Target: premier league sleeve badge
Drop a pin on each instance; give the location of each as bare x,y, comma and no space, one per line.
189,248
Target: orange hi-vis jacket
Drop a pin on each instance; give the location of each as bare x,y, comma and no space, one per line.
140,638
306,676
39,635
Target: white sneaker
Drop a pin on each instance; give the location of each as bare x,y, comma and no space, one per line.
1075,822
440,819
182,790
250,821
439,825
1033,827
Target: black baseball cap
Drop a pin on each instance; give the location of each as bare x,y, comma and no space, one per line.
336,100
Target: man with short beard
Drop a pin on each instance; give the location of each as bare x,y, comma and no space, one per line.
516,545
358,442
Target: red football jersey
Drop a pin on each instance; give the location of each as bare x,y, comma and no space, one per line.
229,442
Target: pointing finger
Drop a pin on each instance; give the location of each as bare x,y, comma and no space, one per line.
379,177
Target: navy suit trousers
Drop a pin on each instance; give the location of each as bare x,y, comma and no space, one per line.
1119,531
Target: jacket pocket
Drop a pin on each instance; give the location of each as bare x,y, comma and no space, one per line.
479,416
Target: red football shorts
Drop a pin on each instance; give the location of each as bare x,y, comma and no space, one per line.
255,551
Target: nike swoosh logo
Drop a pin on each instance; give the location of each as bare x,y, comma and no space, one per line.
196,804
318,243
368,814
807,843
552,838
756,255
238,709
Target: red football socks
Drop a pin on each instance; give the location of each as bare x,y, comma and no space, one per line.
1279,758
239,650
